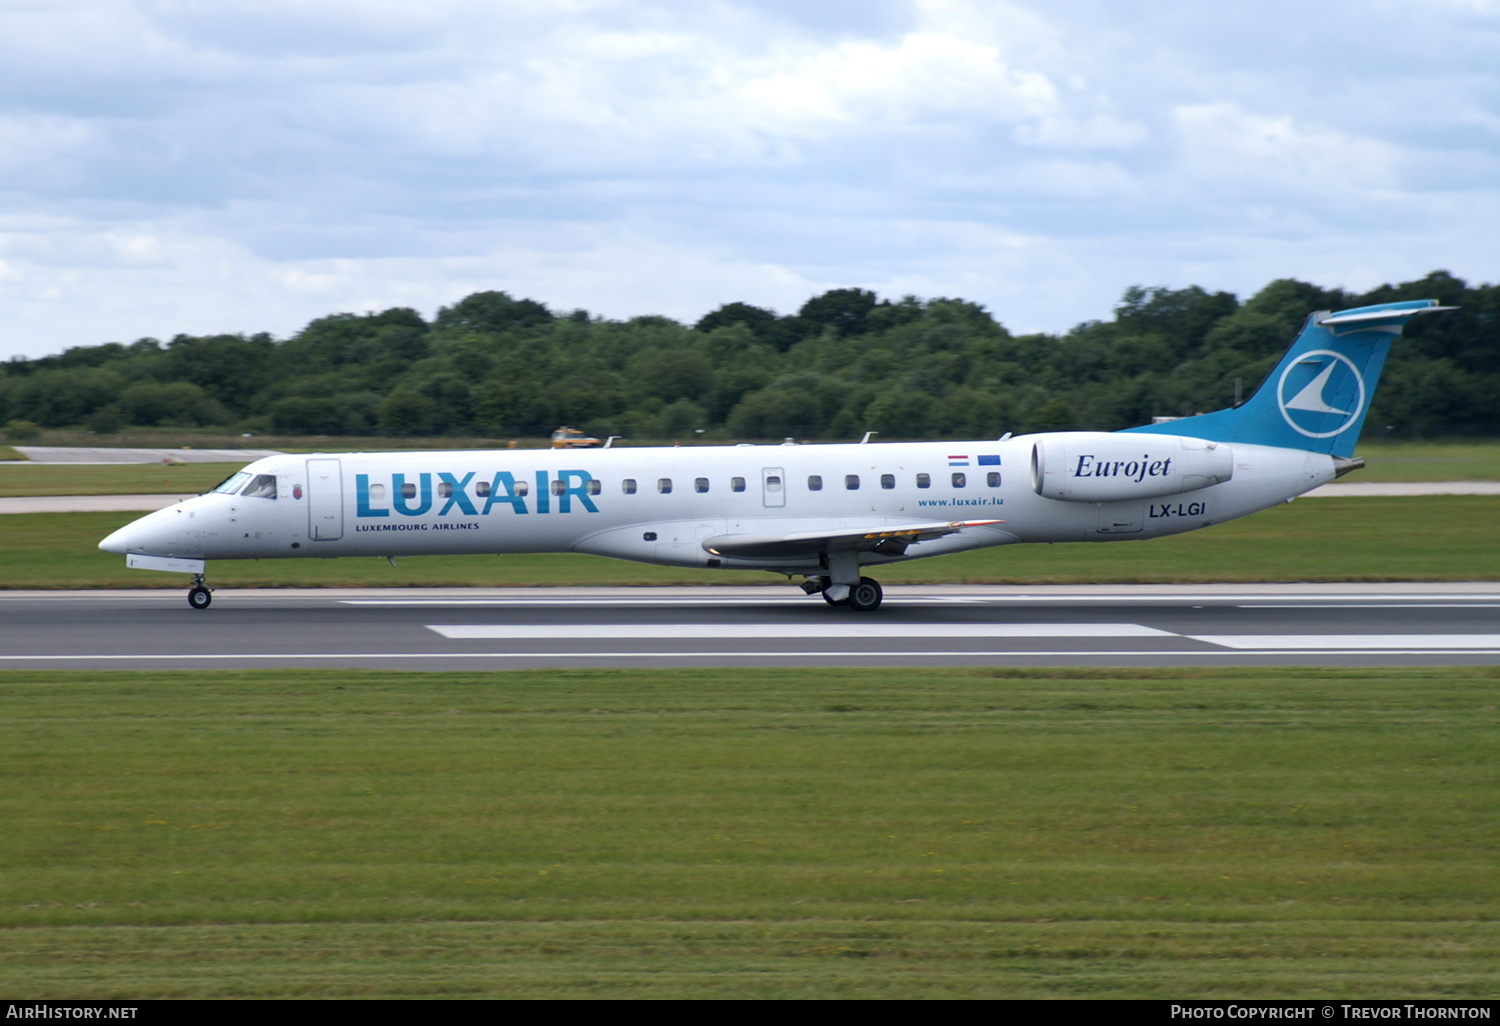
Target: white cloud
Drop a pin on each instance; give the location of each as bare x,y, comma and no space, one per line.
1236,150
37,150
927,75
169,166
1091,132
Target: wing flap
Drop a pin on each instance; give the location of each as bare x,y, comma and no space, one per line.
890,541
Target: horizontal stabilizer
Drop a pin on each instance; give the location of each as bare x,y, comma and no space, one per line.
889,541
1391,316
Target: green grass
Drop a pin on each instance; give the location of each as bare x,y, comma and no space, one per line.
112,478
208,438
1422,538
1429,461
7,453
789,833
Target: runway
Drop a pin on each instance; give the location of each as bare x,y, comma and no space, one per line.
452,629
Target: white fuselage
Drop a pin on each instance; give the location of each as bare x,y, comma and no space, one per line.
659,505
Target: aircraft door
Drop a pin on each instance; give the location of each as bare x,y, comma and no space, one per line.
773,487
325,500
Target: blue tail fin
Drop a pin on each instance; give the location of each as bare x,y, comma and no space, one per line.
1317,397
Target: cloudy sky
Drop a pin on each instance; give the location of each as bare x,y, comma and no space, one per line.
247,165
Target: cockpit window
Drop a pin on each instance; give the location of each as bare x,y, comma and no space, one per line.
263,487
231,484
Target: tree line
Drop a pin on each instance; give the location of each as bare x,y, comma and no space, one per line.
847,362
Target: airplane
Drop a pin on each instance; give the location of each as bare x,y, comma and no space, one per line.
821,512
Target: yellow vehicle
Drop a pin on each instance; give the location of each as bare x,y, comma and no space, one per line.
572,438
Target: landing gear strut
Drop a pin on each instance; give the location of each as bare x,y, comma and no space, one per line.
199,596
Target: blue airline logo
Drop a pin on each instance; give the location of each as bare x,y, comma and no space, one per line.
1321,394
419,494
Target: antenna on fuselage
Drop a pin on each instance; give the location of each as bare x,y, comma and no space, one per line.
868,436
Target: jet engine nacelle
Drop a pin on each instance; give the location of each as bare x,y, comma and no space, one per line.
1095,466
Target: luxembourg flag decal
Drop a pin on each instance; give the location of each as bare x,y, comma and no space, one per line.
958,461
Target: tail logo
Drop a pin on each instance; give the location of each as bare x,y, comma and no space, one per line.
1319,384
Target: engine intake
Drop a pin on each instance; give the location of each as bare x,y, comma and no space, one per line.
1097,466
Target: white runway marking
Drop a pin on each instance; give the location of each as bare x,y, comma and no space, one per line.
784,598
783,631
780,599
1355,642
1373,605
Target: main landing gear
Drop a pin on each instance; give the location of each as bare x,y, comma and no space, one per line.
199,596
863,597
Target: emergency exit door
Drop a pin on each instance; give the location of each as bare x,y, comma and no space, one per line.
773,487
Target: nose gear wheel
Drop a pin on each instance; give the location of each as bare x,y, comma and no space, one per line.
199,596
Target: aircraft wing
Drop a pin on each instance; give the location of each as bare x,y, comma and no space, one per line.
888,541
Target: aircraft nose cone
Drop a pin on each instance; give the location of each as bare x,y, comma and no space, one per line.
153,532
116,542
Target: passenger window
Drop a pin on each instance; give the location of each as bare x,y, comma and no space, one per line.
700,484
992,479
664,485
924,481
558,487
851,482
263,487
377,493
409,490
445,490
773,483
592,487
736,484
482,489
523,488
815,482
887,480
628,486
959,480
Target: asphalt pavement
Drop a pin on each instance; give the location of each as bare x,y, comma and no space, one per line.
451,629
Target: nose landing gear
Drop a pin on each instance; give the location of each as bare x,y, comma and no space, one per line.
199,596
